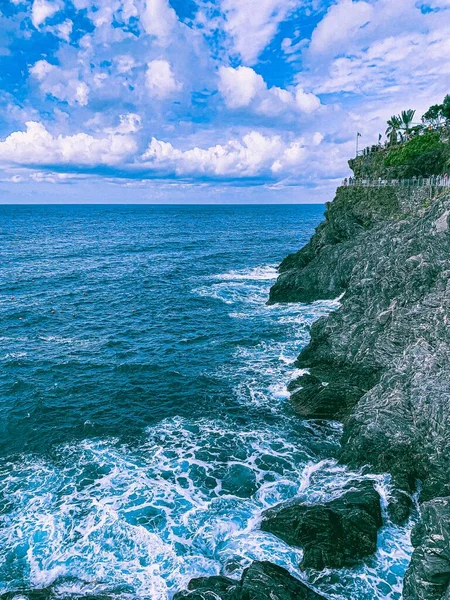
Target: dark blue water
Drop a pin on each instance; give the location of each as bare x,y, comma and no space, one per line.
144,416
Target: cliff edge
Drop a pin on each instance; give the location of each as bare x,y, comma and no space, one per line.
381,363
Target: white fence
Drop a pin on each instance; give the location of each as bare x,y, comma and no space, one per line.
435,181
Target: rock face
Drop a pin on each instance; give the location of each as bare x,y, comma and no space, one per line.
429,573
333,534
261,581
381,363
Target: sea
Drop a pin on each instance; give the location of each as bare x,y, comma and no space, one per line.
145,420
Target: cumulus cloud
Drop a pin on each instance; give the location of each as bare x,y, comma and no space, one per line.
63,30
401,63
160,79
108,70
252,24
159,20
129,123
62,84
37,146
255,155
242,87
43,10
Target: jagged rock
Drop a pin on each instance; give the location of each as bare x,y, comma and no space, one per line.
209,588
388,252
332,534
428,576
354,212
327,395
400,505
261,581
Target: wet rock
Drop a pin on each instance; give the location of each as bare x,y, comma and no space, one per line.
322,268
400,505
388,343
261,581
428,576
328,395
209,588
333,534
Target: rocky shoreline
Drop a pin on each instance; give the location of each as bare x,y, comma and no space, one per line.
381,362
381,365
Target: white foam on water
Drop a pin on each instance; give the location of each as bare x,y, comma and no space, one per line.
184,503
141,521
264,273
263,370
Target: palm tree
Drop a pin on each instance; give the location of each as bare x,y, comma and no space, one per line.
406,119
394,124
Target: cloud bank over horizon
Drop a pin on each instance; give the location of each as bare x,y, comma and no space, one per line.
206,100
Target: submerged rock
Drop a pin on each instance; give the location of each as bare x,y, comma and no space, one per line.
261,581
332,534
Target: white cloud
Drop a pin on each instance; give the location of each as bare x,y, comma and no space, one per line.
358,48
317,138
342,24
37,146
41,69
43,10
255,155
159,19
242,87
125,63
63,30
402,63
253,23
160,79
306,102
129,123
62,84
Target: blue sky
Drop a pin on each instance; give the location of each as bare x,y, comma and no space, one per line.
205,100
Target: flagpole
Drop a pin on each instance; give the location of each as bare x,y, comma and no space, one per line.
357,141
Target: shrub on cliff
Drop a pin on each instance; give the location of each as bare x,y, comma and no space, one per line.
422,156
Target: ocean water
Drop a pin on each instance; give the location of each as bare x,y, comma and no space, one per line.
145,422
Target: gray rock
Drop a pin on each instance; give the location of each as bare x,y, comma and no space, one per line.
428,576
261,581
333,534
385,353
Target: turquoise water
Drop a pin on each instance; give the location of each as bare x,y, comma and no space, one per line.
145,423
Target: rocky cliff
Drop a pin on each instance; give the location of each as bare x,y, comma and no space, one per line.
381,363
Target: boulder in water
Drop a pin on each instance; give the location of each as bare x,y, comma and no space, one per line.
333,534
261,581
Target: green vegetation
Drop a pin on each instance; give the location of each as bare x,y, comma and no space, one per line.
433,116
411,149
400,125
438,113
421,156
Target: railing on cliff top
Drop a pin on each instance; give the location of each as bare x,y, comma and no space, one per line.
435,181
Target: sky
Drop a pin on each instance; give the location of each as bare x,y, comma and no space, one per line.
241,101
